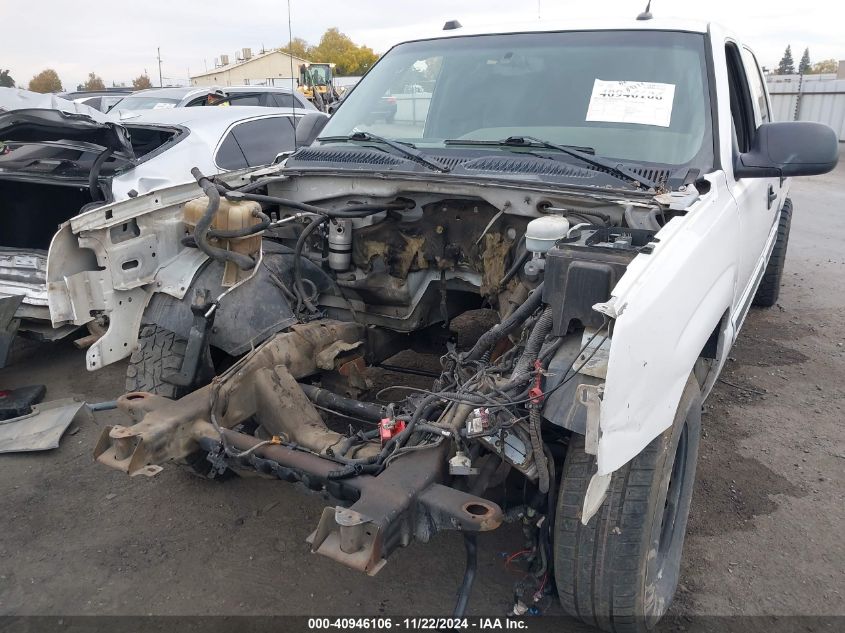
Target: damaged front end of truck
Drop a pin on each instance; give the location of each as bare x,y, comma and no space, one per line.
317,295
261,307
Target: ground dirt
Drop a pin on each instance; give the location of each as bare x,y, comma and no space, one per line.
765,535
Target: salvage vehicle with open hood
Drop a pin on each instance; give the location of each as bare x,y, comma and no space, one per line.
57,162
617,193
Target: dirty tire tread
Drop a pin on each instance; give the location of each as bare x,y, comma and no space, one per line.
600,571
159,352
769,288
599,587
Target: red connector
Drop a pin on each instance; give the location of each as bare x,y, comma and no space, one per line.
536,392
389,428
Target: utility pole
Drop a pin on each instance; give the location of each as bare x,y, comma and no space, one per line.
160,83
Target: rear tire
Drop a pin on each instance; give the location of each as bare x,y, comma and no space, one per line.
159,352
620,571
769,289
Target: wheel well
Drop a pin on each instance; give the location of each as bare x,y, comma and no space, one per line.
713,354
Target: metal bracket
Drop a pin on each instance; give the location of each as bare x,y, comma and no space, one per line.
196,350
350,538
590,397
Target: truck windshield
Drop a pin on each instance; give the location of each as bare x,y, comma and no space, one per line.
632,95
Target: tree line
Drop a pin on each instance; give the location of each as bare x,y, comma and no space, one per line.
350,59
786,66
48,81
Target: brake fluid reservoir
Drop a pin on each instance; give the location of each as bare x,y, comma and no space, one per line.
340,244
542,233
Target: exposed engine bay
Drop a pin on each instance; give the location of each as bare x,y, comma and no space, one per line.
358,279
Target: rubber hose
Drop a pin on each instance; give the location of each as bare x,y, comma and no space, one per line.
469,574
245,231
497,333
297,261
596,214
535,342
331,400
531,353
243,262
347,443
551,503
518,262
356,461
355,211
353,470
94,176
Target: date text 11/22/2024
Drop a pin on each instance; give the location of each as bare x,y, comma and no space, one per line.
417,623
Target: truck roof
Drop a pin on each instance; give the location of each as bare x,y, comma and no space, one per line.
542,26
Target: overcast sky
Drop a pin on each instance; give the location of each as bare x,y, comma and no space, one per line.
118,40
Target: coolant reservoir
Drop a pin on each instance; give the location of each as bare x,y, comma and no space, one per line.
542,233
230,216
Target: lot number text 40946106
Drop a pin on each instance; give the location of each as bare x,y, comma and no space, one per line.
416,624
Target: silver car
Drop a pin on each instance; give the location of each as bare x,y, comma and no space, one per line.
187,97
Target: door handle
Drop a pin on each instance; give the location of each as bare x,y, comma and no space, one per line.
772,196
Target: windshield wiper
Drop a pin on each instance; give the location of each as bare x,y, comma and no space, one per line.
406,149
511,141
585,154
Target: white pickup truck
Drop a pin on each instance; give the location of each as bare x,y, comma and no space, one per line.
617,192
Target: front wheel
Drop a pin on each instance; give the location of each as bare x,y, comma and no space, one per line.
159,353
620,571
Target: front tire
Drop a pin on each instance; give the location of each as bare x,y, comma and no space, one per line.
620,571
159,353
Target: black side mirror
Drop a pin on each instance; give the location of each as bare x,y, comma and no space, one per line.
309,127
795,148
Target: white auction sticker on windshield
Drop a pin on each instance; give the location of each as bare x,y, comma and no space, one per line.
641,102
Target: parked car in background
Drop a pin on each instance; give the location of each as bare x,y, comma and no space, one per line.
383,110
102,100
187,97
54,164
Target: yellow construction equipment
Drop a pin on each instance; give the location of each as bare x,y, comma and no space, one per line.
316,83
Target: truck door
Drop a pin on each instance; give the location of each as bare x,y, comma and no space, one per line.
758,199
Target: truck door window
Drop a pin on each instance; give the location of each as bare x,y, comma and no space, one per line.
758,89
742,111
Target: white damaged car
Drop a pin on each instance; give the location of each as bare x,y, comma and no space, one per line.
59,159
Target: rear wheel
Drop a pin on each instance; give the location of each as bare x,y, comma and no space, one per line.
620,571
769,289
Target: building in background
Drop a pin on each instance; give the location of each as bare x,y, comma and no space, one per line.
270,68
819,98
